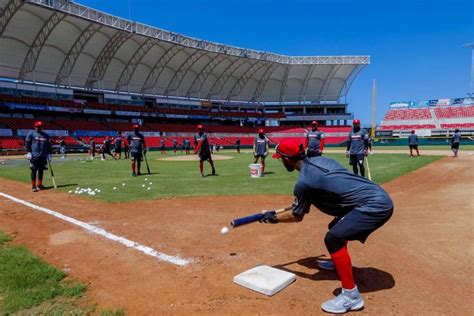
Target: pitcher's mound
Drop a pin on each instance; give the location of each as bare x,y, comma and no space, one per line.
193,158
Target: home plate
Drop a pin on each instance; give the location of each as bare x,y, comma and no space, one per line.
265,279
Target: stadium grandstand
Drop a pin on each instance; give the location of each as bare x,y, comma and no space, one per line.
86,73
433,118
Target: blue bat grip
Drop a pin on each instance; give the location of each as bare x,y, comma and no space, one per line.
246,220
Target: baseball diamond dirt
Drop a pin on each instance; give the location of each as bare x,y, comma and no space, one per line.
419,263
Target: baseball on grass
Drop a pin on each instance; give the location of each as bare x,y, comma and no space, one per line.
224,230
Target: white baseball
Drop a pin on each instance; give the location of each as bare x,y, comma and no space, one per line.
224,230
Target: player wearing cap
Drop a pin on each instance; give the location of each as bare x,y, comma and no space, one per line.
413,143
357,147
201,147
137,149
455,141
237,145
62,148
175,145
106,145
359,207
260,148
314,141
39,152
187,146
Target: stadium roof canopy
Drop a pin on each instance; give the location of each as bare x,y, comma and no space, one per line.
67,44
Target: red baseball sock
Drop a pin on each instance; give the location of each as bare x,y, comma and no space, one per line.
263,167
40,182
133,166
33,183
201,167
343,264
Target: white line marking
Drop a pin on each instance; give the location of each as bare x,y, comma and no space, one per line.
102,232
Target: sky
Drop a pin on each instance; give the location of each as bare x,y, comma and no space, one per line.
416,46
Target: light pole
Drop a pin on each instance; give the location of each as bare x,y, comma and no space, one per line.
471,85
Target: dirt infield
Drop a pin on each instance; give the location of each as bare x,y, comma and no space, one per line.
193,158
419,263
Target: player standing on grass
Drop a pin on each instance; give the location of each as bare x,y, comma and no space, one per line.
413,143
455,141
175,145
237,145
39,150
357,147
187,146
202,147
62,148
118,146
92,148
314,141
260,148
162,146
126,149
358,205
106,148
137,149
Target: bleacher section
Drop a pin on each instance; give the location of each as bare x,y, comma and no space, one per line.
436,117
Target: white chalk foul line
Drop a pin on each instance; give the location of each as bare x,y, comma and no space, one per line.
102,232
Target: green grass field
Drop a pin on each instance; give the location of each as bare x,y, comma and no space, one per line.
176,179
29,286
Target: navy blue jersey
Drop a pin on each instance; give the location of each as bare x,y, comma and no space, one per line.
118,142
137,142
314,139
261,145
456,138
334,190
106,144
205,142
413,140
357,142
237,142
38,144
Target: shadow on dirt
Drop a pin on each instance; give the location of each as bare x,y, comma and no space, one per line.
367,279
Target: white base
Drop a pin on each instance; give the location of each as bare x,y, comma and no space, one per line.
265,279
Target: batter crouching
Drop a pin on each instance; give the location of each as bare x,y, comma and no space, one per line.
359,207
39,151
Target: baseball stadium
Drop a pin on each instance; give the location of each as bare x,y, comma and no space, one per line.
147,172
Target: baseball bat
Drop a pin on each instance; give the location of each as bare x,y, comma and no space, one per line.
146,162
254,217
52,175
369,174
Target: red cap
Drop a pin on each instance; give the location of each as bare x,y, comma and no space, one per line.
288,148
260,131
200,127
356,121
38,124
135,126
314,123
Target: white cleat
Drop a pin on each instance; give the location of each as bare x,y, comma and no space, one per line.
348,300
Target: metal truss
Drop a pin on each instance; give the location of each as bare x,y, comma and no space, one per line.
284,83
201,78
105,57
76,49
179,75
263,81
327,82
155,73
6,15
306,79
149,31
224,76
242,81
133,63
31,58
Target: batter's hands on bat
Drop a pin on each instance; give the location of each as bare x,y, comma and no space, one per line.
50,157
347,154
28,156
366,153
269,217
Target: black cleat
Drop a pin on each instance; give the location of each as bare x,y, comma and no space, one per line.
134,174
41,187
